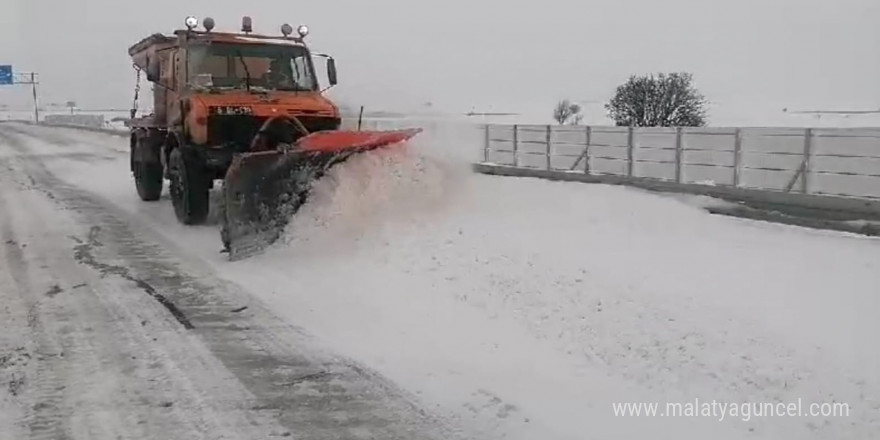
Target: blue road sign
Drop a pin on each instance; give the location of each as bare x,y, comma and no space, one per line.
5,75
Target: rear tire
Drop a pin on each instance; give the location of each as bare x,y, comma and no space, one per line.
189,186
148,180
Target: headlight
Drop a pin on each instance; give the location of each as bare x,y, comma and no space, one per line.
191,22
302,30
286,29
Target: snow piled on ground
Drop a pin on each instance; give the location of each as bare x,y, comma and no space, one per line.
525,308
535,291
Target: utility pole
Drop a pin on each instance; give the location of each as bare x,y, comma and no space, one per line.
24,78
33,83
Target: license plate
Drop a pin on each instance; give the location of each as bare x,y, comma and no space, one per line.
231,110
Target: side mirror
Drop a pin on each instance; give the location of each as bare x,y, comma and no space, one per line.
331,71
153,73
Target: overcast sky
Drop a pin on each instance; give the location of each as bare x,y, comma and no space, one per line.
484,54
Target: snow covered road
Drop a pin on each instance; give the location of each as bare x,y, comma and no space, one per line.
109,335
508,308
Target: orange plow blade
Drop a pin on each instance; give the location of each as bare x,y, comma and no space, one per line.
338,141
263,190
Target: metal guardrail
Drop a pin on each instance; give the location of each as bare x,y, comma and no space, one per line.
841,162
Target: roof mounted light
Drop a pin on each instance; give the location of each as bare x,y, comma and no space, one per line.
246,25
191,22
286,29
208,23
302,30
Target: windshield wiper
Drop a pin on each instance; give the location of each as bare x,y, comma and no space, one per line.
247,73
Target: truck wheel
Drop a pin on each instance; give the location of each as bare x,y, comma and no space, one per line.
148,179
189,188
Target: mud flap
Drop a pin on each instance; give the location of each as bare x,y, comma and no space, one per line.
263,190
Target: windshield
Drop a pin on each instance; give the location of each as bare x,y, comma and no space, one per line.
251,66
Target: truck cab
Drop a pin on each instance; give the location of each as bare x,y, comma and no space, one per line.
213,93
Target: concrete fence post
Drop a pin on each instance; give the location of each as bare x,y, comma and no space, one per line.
808,154
486,142
587,150
630,146
515,145
737,157
678,153
549,147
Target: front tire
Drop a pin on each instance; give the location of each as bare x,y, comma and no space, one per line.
189,186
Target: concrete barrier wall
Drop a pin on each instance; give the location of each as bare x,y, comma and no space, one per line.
832,162
80,120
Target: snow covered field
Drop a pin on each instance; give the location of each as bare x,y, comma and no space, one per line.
524,309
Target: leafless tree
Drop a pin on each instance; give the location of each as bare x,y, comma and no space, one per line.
567,112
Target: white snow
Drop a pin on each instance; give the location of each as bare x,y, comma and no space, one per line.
526,308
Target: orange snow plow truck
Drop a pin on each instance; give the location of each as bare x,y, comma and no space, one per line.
243,108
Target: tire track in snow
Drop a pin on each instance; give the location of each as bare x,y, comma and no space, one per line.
16,341
44,385
84,253
139,390
84,249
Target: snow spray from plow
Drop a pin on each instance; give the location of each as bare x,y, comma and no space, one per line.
389,194
263,190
